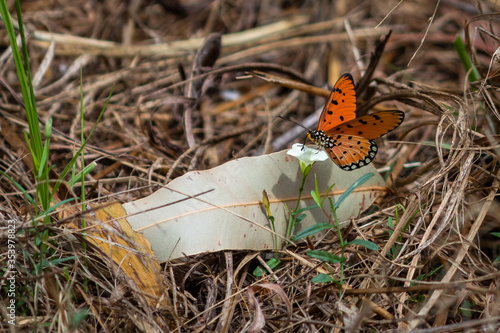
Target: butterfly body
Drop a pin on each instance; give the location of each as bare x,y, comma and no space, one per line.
347,139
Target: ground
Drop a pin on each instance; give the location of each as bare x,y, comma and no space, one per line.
190,85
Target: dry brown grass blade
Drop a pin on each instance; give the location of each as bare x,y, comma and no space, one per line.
203,60
73,45
291,83
301,41
466,244
229,304
364,81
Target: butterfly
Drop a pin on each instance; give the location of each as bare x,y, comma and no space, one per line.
347,139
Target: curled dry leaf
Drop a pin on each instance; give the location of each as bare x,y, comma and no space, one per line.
258,321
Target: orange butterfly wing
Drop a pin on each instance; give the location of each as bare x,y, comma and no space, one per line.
351,152
371,126
341,105
347,139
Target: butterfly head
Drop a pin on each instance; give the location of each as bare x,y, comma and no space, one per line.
317,137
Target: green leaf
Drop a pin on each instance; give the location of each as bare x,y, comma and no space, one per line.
272,263
311,230
316,198
299,218
300,210
351,188
496,234
258,272
369,245
324,256
88,169
55,206
56,262
326,195
322,278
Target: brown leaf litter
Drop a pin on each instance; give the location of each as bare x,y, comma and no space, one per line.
188,95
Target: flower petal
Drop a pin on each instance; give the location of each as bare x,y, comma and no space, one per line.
307,155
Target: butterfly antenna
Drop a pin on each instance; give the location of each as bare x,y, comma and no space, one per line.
294,122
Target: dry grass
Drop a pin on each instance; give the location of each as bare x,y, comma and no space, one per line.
434,270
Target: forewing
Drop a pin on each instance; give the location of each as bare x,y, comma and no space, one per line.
370,126
341,105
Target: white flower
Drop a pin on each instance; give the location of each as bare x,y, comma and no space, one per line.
307,156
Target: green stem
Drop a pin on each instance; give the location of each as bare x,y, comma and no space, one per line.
291,223
342,244
300,191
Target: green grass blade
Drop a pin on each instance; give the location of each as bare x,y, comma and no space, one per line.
26,194
80,175
351,188
324,256
322,278
466,60
300,210
35,135
366,243
311,230
69,166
